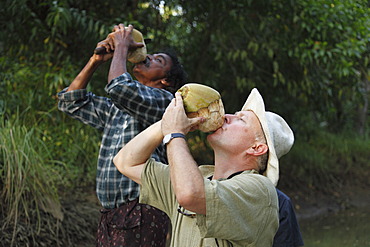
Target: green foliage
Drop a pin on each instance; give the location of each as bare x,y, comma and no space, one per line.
327,161
314,52
30,90
75,145
333,51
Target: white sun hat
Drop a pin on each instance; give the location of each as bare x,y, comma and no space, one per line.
279,136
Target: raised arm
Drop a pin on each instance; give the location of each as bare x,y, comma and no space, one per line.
186,179
122,42
131,158
83,78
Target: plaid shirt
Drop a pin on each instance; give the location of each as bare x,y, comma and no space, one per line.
130,109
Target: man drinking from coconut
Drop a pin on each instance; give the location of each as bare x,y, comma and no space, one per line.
132,106
234,202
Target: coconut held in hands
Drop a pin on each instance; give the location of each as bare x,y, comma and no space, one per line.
138,55
134,56
203,101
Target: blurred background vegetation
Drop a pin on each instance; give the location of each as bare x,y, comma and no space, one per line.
308,58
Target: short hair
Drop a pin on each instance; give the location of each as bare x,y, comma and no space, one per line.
177,75
262,162
262,159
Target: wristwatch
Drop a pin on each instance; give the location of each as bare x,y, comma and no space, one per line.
167,138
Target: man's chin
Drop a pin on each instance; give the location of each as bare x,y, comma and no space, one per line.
218,130
213,133
135,66
136,69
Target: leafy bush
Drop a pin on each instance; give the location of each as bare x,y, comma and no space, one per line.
326,162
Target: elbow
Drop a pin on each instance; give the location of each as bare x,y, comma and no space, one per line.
119,163
125,166
191,197
186,199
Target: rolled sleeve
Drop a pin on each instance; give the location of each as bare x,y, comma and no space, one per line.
85,107
72,95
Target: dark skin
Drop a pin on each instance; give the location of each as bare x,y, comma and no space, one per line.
151,72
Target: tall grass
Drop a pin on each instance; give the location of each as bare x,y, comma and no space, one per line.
45,158
27,179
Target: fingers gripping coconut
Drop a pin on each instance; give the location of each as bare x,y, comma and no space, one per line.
138,55
134,56
203,101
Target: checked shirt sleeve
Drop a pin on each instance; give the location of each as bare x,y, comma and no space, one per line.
85,106
146,104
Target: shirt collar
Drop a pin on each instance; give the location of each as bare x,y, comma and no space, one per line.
234,174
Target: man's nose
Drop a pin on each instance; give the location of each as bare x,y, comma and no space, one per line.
228,118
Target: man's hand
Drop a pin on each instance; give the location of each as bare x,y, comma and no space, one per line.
108,44
122,35
102,57
122,42
175,120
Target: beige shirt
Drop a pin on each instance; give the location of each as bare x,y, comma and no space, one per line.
241,211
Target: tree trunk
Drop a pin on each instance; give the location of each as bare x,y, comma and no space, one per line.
363,108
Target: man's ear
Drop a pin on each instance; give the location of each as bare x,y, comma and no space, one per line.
257,149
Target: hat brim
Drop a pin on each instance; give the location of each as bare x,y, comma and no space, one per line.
256,104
